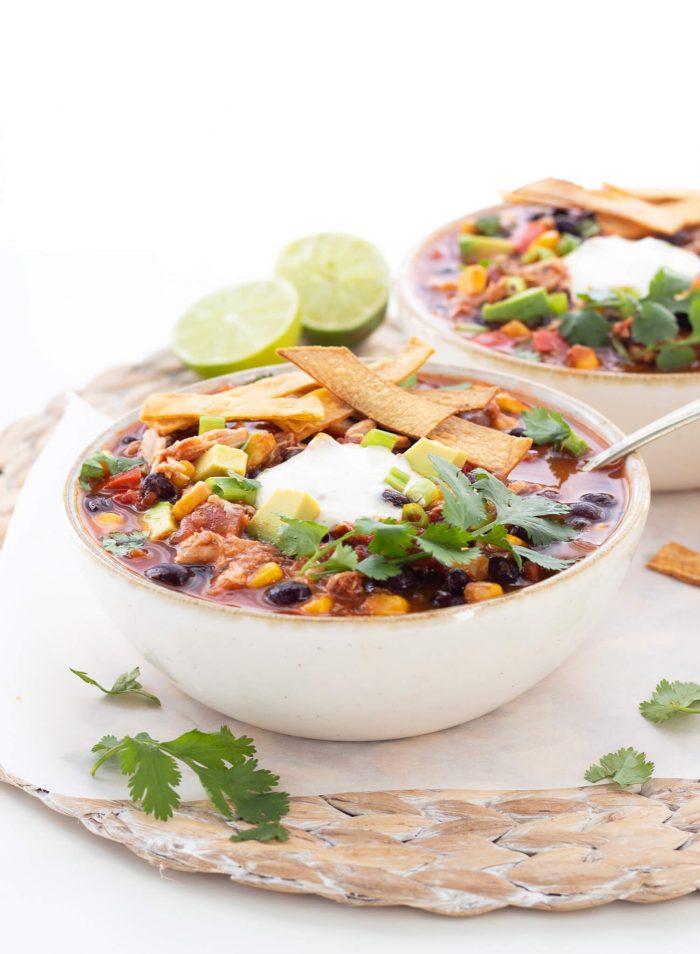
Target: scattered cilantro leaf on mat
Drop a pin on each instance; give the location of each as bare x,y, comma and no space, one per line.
653,324
549,427
265,831
462,507
224,764
125,684
670,699
101,464
124,544
300,538
626,767
533,514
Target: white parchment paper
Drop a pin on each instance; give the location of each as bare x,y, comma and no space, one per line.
49,719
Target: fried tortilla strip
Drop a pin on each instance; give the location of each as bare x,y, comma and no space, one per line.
678,561
363,390
415,353
472,399
160,409
485,447
666,219
655,195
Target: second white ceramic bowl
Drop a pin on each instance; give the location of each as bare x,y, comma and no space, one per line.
629,399
368,678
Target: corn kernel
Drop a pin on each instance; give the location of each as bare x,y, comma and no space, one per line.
582,357
468,227
516,329
472,280
258,447
109,520
318,606
268,573
190,500
548,239
478,592
181,473
515,541
385,604
478,568
510,404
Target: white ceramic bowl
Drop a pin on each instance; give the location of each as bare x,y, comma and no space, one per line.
367,678
629,399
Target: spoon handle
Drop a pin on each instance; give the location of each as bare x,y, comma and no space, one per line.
650,432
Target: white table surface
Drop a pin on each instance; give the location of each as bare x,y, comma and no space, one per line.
152,153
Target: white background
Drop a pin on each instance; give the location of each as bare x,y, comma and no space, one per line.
152,152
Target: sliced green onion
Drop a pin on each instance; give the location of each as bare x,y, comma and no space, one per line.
208,423
485,262
558,302
409,382
567,243
234,487
414,513
423,491
515,284
468,328
462,386
377,438
397,479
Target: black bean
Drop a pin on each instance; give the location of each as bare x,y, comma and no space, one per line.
395,498
444,598
429,575
502,570
291,452
600,499
567,222
287,593
403,582
517,432
172,574
129,439
589,511
159,486
97,504
456,580
578,523
550,494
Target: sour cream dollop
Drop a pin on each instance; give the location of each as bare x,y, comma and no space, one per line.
347,480
610,261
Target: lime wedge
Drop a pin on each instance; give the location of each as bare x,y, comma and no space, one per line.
238,327
343,283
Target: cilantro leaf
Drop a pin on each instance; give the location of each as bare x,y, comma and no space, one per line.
675,357
388,538
342,557
300,538
377,567
585,327
124,544
265,831
545,560
447,544
665,286
532,513
101,464
527,354
653,324
549,427
229,774
125,684
669,699
489,225
462,505
626,767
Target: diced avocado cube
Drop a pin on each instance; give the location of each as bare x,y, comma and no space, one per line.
472,248
159,521
266,523
219,460
417,456
528,306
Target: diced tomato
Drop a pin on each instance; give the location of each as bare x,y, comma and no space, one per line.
524,236
126,480
493,339
544,340
130,498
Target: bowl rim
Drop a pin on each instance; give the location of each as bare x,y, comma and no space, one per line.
411,303
635,472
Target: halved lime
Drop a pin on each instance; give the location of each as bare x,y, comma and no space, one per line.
239,327
343,283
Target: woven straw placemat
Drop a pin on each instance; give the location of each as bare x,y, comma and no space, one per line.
456,852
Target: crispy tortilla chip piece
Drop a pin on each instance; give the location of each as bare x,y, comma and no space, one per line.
655,195
415,353
363,390
159,409
473,399
485,447
666,218
677,561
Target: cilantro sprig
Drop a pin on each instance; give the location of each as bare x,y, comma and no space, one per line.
101,464
302,538
224,765
549,427
671,699
127,684
124,544
626,767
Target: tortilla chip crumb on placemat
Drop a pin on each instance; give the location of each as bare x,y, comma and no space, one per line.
677,561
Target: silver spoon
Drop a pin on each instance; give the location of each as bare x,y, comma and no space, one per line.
650,432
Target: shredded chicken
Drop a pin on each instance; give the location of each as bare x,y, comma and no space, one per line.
550,274
190,448
242,558
348,585
202,546
356,432
152,444
216,515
